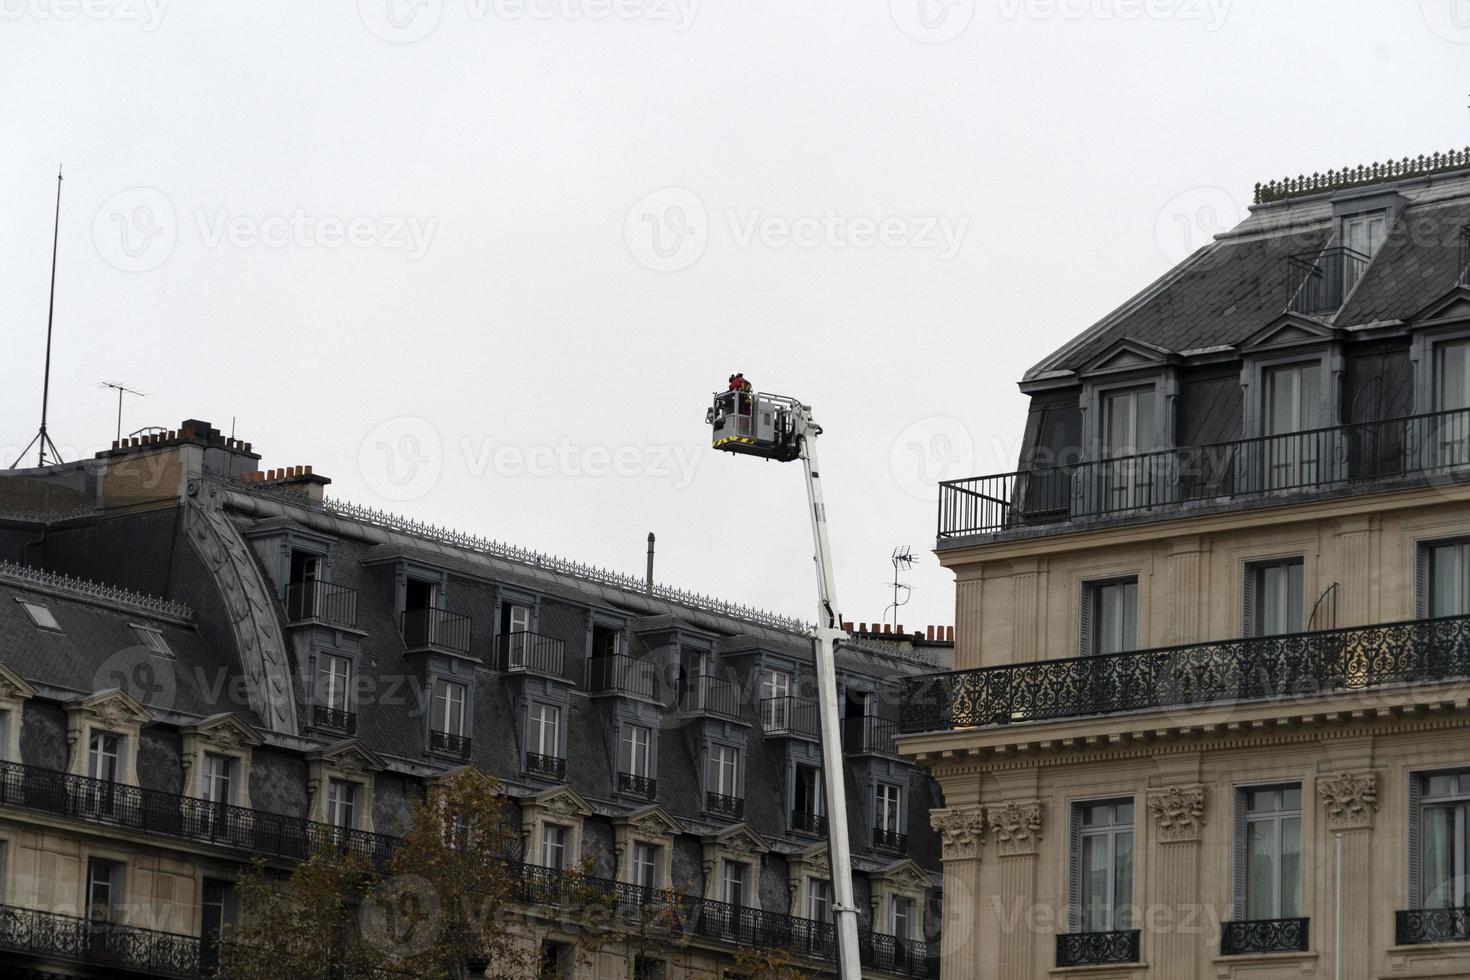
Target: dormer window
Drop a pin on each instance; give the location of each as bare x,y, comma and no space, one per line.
1128,422
152,638
1363,234
333,708
40,616
1293,405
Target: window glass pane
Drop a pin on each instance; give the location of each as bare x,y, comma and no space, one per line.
1260,869
1437,847
1446,567
1094,871
1291,868
1452,376
1123,873
1116,617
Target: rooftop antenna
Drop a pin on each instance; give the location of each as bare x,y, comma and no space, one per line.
42,441
902,559
121,390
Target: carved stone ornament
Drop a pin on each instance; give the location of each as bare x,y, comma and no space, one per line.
961,831
1178,812
1016,827
1351,799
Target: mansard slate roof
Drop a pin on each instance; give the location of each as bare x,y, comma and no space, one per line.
150,551
1237,284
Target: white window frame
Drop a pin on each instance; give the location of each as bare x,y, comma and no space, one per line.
1421,799
724,760
212,780
888,807
555,845
775,715
819,899
734,882
1115,911
546,718
1275,820
1091,636
344,798
1254,595
635,754
334,686
646,860
451,701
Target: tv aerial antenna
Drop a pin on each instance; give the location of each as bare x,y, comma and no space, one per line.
903,560
42,441
121,390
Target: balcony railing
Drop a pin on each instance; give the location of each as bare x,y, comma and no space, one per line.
531,652
719,922
619,674
1319,282
335,719
890,840
450,744
548,766
1264,936
869,734
644,786
707,694
809,823
1096,948
437,629
1416,927
181,817
1158,483
321,602
790,716
1229,671
63,937
728,806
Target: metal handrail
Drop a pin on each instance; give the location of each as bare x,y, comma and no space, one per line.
1158,481
527,651
622,674
321,601
1250,669
66,937
1319,282
709,694
181,817
436,628
788,715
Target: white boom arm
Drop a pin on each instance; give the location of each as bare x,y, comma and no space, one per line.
829,632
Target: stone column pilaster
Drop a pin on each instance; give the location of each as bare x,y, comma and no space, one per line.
961,832
1177,818
1350,805
1016,828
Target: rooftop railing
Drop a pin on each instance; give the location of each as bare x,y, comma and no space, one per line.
1158,483
321,602
1319,282
869,734
527,651
1361,175
29,932
439,629
181,817
1228,671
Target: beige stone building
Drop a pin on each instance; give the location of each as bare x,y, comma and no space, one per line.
1210,716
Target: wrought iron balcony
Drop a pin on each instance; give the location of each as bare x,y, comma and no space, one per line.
707,694
719,922
644,786
529,652
809,823
1319,282
436,629
1097,948
890,840
1264,936
727,806
450,744
334,719
1229,671
1164,483
180,817
547,766
46,935
867,734
788,715
308,602
619,674
1416,927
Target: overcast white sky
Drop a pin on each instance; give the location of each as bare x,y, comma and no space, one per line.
483,261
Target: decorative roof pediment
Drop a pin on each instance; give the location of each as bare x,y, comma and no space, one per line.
225,730
905,874
349,756
560,800
1288,330
13,686
738,838
1451,307
1127,355
650,821
114,708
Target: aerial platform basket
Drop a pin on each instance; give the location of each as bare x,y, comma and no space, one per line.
755,424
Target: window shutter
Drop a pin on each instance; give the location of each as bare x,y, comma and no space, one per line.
1086,624
1238,857
1074,873
1248,604
1421,581
1416,885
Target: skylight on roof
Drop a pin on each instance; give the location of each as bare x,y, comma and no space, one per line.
152,638
40,615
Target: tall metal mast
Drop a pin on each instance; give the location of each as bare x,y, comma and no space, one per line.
42,441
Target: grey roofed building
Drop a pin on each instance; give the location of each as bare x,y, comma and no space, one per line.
201,609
